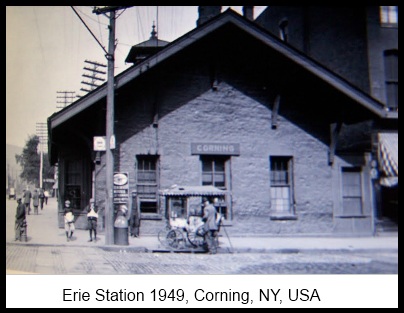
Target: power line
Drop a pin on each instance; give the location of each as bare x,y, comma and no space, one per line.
68,98
90,31
42,133
93,75
89,17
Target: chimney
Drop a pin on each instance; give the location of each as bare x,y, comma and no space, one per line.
248,12
206,13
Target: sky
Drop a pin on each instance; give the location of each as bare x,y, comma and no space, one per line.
47,46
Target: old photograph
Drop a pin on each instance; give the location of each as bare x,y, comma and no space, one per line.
202,140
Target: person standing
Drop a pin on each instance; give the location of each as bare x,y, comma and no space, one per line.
92,218
46,196
210,226
69,220
19,219
35,201
41,197
135,224
27,200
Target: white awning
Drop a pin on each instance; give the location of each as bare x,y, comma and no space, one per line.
192,191
388,158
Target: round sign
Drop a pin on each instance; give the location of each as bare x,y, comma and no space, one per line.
373,173
120,179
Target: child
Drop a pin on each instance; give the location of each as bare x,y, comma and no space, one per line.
92,217
69,220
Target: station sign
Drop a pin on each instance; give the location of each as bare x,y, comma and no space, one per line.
215,148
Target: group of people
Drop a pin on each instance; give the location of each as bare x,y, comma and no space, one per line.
210,219
211,223
23,208
39,197
69,219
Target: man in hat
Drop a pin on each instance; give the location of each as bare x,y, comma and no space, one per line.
35,201
69,220
210,226
19,218
27,200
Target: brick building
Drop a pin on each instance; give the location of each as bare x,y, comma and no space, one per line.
291,140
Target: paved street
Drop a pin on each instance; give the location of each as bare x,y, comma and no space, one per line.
62,260
80,257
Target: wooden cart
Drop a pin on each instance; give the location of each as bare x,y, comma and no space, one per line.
184,210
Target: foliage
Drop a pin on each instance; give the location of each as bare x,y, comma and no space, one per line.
30,161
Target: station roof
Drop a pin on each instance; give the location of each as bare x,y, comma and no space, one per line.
188,39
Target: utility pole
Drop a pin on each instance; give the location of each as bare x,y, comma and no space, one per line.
110,137
8,183
109,220
41,131
68,98
93,75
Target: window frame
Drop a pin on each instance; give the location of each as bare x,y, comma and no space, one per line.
359,171
390,61
385,16
213,173
224,204
143,197
290,213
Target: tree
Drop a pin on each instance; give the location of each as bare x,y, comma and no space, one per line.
30,161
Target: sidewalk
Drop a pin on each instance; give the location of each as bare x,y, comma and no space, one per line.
43,230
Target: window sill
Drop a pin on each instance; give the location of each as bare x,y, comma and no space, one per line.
150,216
352,216
282,217
389,25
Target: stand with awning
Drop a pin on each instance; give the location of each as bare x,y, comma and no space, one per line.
178,206
193,191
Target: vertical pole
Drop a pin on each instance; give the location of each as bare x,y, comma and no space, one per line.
109,210
41,168
8,178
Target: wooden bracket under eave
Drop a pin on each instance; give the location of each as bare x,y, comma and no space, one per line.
213,76
335,129
275,111
155,115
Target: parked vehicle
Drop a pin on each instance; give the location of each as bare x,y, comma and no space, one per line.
11,194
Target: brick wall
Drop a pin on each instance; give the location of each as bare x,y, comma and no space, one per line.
238,111
229,116
334,36
380,39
